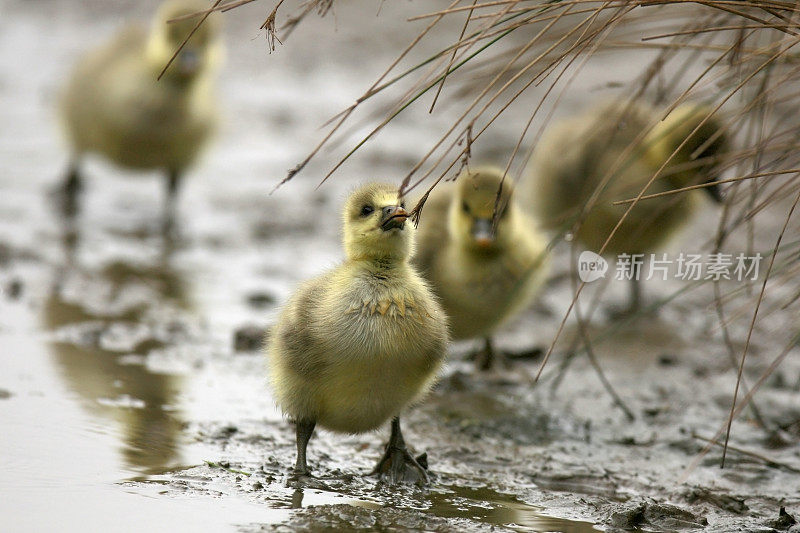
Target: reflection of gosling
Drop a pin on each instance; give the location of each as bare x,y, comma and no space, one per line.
356,345
483,271
115,106
575,156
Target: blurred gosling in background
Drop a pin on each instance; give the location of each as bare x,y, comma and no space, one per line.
356,345
115,106
482,254
575,156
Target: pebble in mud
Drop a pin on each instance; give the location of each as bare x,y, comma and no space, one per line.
658,516
13,289
668,359
4,394
784,520
348,518
723,501
249,338
260,300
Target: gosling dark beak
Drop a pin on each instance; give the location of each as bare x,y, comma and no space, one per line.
483,232
714,192
393,217
188,62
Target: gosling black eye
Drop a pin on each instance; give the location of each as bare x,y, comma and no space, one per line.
403,204
465,207
367,210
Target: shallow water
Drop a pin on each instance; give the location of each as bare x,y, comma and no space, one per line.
124,406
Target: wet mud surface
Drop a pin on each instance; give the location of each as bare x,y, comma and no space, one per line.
133,393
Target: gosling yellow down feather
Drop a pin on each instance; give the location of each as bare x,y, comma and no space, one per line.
115,106
612,142
356,345
484,268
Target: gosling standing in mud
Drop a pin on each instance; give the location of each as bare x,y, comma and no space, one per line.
115,106
612,151
357,344
483,256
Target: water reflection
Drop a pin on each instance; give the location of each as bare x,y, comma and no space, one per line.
104,323
498,509
474,503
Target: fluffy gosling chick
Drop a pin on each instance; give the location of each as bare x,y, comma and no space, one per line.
483,255
575,156
114,105
357,344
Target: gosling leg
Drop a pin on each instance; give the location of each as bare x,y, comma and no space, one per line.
70,189
397,464
634,306
173,185
635,302
305,428
485,359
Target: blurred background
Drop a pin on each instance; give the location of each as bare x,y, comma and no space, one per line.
132,390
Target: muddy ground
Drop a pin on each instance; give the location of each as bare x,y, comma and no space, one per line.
127,401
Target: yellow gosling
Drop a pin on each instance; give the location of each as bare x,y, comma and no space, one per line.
356,345
114,105
576,155
483,255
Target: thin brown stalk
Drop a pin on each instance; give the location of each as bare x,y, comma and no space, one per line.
708,184
453,57
752,326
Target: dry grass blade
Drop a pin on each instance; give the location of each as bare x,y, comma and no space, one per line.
352,108
744,403
752,326
769,462
227,6
709,184
453,58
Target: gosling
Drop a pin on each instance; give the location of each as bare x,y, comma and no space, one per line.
115,106
356,345
483,255
575,156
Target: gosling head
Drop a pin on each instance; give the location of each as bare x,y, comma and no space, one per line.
200,54
480,221
699,154
375,225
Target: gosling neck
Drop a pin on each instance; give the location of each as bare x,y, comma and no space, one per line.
158,54
175,81
380,265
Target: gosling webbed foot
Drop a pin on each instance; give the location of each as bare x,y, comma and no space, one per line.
530,354
487,358
398,465
301,478
630,311
300,472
